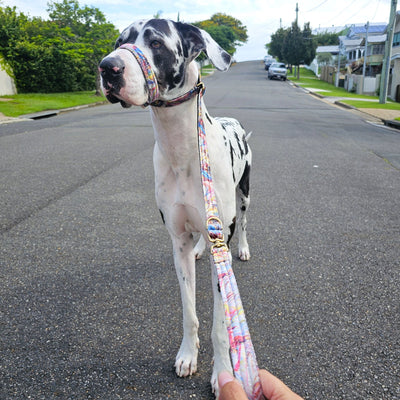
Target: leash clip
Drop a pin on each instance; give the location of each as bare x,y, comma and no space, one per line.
215,233
200,86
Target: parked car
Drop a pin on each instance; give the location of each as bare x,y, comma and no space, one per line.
268,61
277,70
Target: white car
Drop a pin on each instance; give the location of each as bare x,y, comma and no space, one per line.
277,70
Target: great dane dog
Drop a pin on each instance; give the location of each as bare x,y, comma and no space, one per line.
170,49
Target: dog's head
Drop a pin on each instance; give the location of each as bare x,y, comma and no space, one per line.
169,48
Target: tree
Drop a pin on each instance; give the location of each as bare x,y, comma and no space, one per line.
292,49
324,58
227,31
293,46
275,47
61,54
90,28
327,38
238,28
309,44
12,26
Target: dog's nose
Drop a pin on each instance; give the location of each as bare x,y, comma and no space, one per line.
112,69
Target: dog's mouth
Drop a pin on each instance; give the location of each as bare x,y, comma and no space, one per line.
111,96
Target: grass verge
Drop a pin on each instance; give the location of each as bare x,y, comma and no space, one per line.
28,103
390,105
309,80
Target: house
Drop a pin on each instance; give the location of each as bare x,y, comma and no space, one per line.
375,54
355,47
351,49
352,45
325,55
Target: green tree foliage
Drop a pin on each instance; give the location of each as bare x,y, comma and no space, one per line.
275,47
309,45
328,38
57,55
227,31
293,45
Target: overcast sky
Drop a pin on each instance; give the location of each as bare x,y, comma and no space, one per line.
261,17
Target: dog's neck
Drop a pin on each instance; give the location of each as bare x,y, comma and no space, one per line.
175,128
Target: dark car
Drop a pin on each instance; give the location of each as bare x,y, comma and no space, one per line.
268,61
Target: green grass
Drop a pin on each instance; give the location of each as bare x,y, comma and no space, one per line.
309,80
21,104
390,105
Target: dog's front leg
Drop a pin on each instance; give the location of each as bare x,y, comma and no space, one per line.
219,335
186,359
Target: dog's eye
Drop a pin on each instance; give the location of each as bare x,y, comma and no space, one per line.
155,44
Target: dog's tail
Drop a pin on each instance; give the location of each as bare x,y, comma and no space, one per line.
247,137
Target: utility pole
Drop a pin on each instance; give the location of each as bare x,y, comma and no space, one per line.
365,55
297,13
388,53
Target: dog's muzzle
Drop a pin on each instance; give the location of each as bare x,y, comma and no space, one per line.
148,72
112,70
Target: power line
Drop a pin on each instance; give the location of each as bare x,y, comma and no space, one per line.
344,9
319,5
376,10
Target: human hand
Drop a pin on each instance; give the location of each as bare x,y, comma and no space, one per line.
272,387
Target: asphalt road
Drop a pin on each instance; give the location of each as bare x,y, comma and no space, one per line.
89,301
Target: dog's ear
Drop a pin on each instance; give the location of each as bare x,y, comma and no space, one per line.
196,40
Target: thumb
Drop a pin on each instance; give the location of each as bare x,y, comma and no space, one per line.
229,387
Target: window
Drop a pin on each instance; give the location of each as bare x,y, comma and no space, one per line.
396,39
378,49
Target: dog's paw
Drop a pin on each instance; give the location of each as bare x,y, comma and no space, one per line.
186,361
244,254
199,248
185,366
214,384
197,254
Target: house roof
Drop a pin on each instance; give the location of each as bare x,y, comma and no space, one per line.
329,29
327,49
350,42
375,39
361,29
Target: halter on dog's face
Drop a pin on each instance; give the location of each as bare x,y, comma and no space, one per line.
152,85
163,50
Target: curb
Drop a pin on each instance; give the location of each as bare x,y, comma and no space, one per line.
52,113
48,113
344,105
392,123
387,122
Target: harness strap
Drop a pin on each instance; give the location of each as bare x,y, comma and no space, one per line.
241,348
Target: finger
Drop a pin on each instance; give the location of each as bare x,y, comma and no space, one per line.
274,388
230,388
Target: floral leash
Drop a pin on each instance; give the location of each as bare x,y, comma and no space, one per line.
241,348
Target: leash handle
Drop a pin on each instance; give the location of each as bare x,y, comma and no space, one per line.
241,347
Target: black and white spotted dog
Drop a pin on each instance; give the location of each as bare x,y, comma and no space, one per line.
171,48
